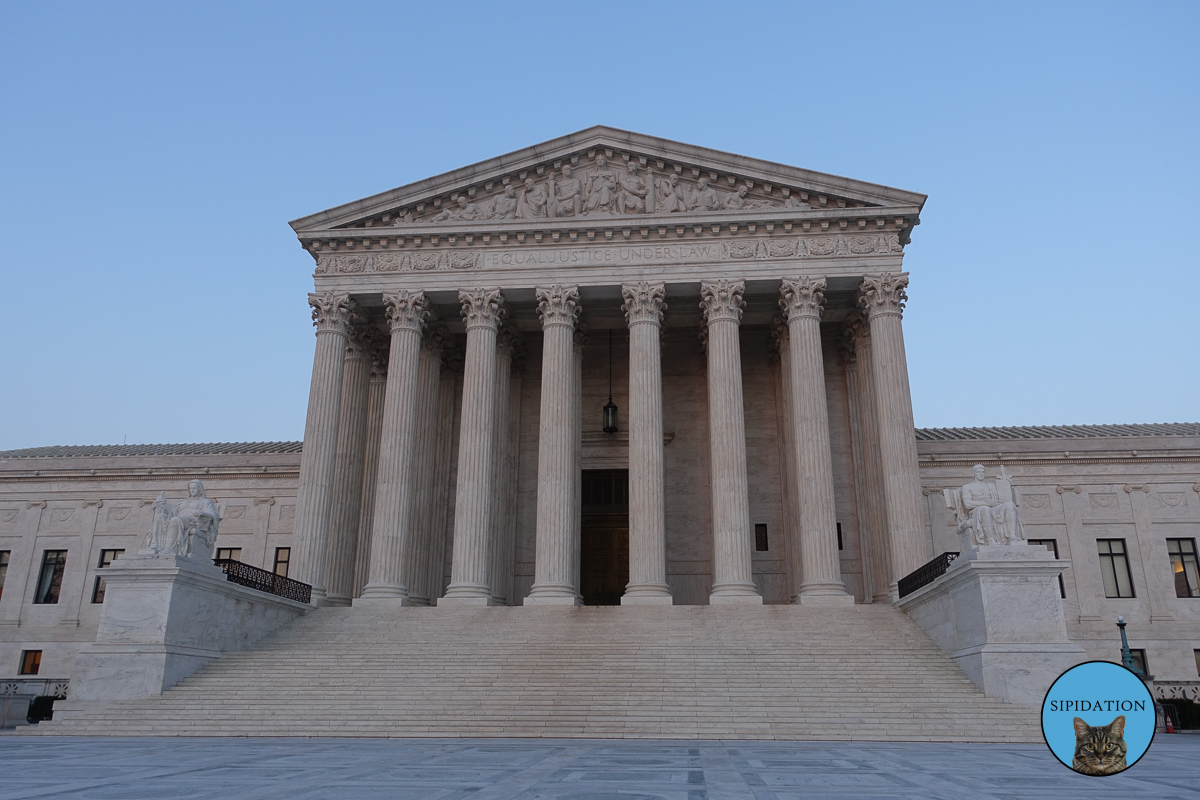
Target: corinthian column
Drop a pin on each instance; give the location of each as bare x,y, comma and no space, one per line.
348,470
820,576
366,507
643,309
331,315
883,297
481,310
733,581
391,526
499,559
554,557
414,560
867,443
787,442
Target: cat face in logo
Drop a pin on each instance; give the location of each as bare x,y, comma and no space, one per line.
1099,750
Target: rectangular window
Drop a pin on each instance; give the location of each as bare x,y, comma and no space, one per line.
1114,568
282,556
839,532
31,662
106,559
1183,562
54,564
1139,660
3,569
760,537
1196,653
1052,546
229,554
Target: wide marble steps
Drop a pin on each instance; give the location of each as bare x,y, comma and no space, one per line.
864,672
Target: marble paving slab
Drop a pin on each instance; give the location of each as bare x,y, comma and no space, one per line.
517,769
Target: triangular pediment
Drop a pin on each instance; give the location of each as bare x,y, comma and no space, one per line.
605,174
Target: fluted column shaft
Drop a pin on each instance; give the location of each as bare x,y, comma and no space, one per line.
820,579
498,523
348,472
391,526
791,512
469,572
415,558
576,538
376,393
884,296
877,526
732,540
554,559
643,309
314,495
435,567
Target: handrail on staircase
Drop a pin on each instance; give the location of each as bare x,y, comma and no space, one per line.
264,580
925,574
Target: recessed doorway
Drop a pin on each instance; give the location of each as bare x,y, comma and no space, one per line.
604,553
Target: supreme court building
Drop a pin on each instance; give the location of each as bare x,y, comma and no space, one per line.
617,370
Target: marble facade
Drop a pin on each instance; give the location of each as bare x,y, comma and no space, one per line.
462,362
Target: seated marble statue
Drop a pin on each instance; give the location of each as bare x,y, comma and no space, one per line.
177,527
987,510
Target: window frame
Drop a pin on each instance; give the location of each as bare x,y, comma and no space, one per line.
5,558
26,657
230,550
98,587
1139,654
1180,563
285,562
762,541
44,589
1111,558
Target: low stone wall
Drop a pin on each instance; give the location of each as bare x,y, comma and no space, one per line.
164,618
997,612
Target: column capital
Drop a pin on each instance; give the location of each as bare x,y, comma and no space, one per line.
779,335
435,341
721,300
644,302
359,340
558,305
332,312
406,310
802,297
379,361
848,345
481,308
509,339
883,294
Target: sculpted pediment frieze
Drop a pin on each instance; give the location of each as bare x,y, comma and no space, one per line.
603,176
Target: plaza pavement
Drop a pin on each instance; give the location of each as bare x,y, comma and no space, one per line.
504,769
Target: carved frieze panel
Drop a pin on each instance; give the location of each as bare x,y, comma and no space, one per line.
629,254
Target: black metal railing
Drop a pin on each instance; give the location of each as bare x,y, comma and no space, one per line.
926,574
264,581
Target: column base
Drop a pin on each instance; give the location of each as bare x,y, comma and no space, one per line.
383,591
811,599
735,593
317,598
465,600
337,600
383,601
647,599
553,600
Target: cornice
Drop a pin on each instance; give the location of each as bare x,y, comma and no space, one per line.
650,152
88,476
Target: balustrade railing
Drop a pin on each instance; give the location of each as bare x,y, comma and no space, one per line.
925,574
263,580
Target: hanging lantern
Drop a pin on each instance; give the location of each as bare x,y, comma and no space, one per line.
610,408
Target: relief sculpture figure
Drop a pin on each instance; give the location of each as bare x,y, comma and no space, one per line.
186,528
668,195
506,204
987,510
466,211
566,196
738,200
601,189
631,199
705,198
531,203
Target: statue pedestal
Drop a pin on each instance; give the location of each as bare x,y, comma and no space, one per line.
164,617
998,612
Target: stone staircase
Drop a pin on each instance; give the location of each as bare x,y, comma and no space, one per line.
865,672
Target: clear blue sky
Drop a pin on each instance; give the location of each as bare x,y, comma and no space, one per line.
151,155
